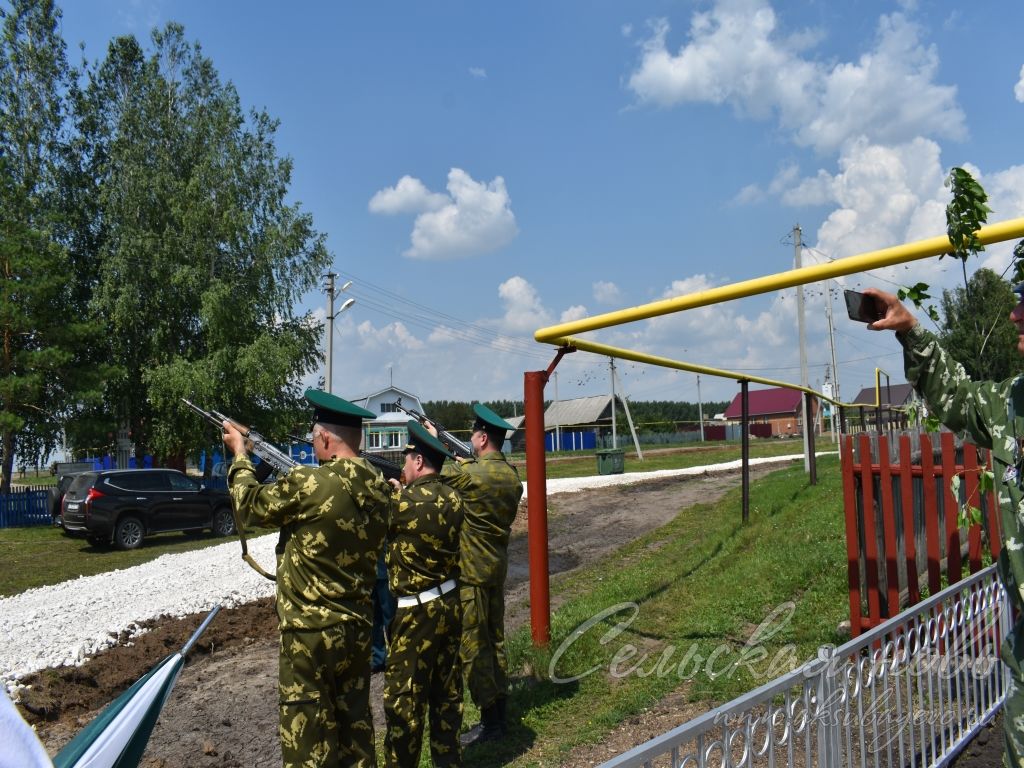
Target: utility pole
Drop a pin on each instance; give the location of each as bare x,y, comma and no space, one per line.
834,394
330,330
558,430
700,410
798,258
331,314
615,441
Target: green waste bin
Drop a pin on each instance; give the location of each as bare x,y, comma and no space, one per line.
611,461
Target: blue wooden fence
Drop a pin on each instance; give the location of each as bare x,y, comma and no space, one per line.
26,507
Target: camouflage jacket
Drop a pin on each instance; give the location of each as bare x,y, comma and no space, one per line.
490,489
991,414
336,516
423,536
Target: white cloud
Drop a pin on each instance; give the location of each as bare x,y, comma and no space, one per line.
605,292
524,312
409,195
478,72
736,55
473,218
1018,89
575,312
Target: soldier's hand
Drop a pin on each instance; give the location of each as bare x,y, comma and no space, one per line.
395,483
896,318
233,439
429,426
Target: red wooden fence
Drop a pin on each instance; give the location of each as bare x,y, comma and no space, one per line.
894,534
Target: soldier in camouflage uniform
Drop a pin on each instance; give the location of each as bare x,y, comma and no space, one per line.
422,668
333,520
992,414
490,489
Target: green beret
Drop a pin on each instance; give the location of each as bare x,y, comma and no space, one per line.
331,409
488,420
423,442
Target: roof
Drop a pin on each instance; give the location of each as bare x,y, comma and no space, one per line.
900,394
581,410
765,402
568,413
400,392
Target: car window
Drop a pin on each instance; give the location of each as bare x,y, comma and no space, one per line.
139,481
82,481
181,483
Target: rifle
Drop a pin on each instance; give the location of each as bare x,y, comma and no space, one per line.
278,460
453,443
389,469
271,457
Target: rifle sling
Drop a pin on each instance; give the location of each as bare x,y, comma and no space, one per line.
245,546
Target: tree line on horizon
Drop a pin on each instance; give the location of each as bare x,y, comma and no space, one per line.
648,415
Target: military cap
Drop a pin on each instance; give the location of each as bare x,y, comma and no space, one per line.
331,409
423,442
488,420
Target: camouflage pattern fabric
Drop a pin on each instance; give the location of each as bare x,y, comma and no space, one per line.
482,653
992,415
422,669
422,673
490,489
335,517
325,718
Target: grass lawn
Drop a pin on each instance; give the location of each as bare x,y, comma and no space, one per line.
576,464
659,609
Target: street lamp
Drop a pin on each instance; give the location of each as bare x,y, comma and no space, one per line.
331,314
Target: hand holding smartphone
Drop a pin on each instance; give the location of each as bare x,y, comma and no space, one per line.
861,307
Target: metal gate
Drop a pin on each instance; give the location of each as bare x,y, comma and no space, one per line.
912,691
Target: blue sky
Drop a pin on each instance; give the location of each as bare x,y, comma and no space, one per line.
482,169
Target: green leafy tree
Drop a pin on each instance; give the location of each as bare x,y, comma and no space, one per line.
199,259
976,329
40,331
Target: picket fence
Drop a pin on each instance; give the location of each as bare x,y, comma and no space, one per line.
903,535
25,507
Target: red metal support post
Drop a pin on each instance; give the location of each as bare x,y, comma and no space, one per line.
537,500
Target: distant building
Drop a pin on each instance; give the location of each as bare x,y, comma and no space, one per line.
772,412
889,403
574,425
387,434
896,395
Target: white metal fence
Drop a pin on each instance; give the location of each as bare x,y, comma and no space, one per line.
912,691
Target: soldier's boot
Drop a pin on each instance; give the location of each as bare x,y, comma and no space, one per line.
490,728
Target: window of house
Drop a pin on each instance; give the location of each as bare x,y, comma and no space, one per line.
388,408
373,440
394,439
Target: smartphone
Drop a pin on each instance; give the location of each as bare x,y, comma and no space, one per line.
861,307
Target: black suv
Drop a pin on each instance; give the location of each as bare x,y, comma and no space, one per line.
124,505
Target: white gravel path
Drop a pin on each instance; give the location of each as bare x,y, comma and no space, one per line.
66,623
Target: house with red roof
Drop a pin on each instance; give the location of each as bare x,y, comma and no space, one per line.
778,408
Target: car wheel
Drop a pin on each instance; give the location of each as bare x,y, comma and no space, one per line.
128,533
223,522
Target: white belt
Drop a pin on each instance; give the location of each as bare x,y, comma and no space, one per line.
427,595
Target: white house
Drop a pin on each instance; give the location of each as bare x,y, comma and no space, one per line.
388,431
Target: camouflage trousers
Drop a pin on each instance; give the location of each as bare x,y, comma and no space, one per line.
484,663
1012,653
422,671
324,684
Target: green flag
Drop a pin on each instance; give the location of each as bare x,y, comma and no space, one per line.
117,737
